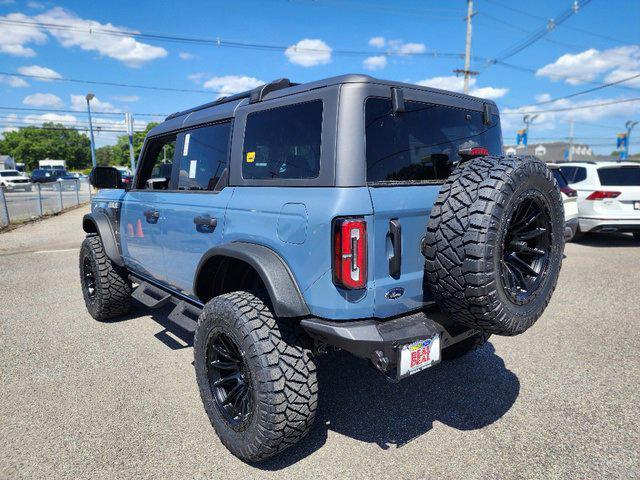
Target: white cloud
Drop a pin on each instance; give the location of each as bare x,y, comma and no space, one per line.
411,48
542,97
14,38
126,49
7,2
186,56
586,66
377,42
15,82
230,84
621,74
43,100
47,74
126,98
456,84
375,63
36,5
79,103
309,52
489,92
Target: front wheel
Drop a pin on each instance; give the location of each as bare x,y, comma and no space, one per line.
256,376
105,286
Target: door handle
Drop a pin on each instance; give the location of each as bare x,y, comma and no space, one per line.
152,216
395,233
205,223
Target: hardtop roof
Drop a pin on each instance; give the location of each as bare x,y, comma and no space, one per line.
225,107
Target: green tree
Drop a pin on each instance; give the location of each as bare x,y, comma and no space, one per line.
105,155
121,148
31,144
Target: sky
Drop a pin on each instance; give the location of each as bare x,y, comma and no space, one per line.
206,49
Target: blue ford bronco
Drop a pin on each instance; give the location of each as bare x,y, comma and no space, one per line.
372,216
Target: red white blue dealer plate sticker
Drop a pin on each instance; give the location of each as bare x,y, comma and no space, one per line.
419,355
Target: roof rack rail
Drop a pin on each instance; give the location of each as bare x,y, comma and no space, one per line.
254,95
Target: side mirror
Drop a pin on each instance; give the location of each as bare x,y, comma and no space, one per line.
105,177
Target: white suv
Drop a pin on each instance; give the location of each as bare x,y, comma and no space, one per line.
13,180
608,195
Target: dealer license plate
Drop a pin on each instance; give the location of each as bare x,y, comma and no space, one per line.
419,355
636,205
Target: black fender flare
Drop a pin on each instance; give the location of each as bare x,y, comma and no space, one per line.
285,295
99,223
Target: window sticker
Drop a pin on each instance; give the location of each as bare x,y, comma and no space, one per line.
185,148
251,156
192,168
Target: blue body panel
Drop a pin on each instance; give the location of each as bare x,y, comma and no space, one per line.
411,205
264,215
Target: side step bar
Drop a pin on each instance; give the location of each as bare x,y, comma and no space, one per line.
186,311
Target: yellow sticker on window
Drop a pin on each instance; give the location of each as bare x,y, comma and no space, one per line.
251,156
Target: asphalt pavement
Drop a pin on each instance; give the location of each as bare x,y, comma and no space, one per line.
82,399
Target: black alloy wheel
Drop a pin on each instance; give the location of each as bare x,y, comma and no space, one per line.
526,248
229,379
89,278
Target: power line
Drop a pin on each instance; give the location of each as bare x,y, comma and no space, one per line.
110,84
61,128
610,84
580,107
538,34
53,110
568,27
221,43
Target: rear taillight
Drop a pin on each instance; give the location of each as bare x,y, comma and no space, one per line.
600,195
569,192
473,152
350,252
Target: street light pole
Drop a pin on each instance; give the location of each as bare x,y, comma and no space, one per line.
89,97
528,120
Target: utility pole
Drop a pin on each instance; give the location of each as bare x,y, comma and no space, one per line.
89,97
129,120
630,124
467,49
570,156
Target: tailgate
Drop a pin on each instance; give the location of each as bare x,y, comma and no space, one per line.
409,207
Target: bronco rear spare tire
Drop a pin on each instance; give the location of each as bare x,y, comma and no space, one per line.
494,243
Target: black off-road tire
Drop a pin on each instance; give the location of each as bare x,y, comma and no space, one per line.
111,294
278,366
467,345
466,238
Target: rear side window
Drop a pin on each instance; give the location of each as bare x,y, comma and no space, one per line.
619,176
283,143
203,155
574,174
422,143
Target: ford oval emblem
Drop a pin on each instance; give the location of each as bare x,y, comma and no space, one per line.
394,293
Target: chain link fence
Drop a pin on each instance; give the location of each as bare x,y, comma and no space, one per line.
35,200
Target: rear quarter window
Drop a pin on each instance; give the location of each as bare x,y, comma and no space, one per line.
574,174
619,176
283,142
422,144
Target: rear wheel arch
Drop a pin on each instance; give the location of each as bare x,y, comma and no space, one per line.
241,265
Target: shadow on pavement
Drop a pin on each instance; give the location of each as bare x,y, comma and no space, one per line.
355,400
607,240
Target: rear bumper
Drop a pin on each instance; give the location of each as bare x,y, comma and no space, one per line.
380,340
592,224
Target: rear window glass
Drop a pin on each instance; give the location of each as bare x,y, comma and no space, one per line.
283,142
574,174
559,177
422,143
620,176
